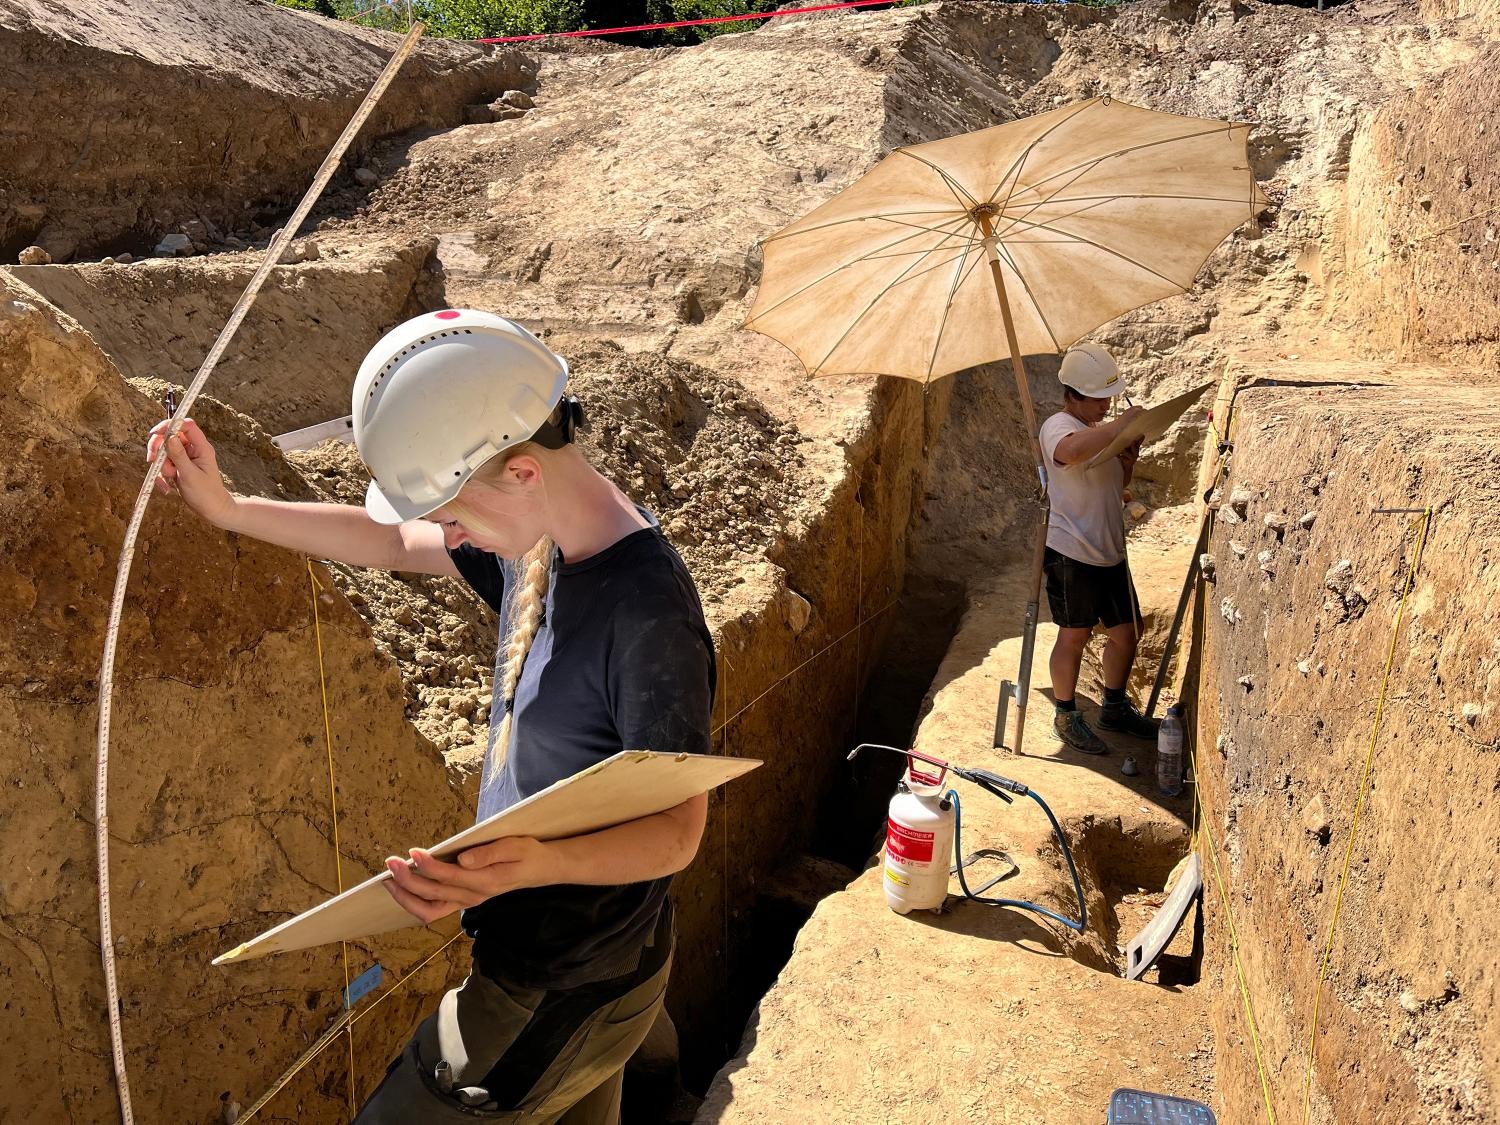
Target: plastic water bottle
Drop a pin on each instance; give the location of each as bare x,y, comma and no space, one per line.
1169,742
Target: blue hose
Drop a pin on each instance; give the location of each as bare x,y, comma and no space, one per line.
1015,787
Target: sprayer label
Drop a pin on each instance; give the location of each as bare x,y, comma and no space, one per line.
907,845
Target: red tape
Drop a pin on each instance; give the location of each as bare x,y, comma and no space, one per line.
683,23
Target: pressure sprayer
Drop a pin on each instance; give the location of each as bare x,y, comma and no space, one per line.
925,826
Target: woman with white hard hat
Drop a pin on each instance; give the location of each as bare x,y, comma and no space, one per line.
462,420
1088,578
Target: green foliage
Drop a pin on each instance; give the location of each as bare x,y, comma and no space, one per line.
374,13
482,19
464,19
322,7
667,11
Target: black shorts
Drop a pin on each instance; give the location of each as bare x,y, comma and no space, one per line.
1081,596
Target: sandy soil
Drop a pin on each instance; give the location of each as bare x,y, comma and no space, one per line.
619,219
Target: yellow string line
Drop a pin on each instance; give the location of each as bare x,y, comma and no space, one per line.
348,1018
333,803
1426,238
1234,952
781,680
1359,802
859,597
422,964
1200,821
723,730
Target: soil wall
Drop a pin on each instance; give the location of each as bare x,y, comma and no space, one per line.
293,361
1300,620
219,791
1423,265
125,120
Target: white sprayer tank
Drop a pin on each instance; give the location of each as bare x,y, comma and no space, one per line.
918,847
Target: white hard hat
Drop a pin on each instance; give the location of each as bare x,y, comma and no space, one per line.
1091,371
441,394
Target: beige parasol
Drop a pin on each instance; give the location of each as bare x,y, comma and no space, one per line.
1081,214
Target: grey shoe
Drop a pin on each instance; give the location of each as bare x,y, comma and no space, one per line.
1123,717
1074,732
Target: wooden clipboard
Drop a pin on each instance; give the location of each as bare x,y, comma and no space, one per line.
1149,424
628,786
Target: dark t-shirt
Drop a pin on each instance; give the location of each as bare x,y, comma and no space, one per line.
623,660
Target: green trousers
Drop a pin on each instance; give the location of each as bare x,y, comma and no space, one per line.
436,1078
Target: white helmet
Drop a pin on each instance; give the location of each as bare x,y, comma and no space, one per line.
441,394
1091,371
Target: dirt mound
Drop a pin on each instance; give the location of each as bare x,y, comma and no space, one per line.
198,111
219,783
699,450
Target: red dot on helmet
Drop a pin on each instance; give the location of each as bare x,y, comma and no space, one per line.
447,314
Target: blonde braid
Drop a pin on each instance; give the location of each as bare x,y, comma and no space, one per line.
525,618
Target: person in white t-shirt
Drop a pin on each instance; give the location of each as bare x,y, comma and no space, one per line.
1088,579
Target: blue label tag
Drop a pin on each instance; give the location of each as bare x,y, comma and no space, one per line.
362,985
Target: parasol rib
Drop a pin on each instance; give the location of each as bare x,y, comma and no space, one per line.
958,279
1145,195
783,235
1094,161
1012,220
905,253
1021,157
953,186
929,269
855,261
853,324
1079,239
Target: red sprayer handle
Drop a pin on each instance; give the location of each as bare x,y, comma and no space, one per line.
912,758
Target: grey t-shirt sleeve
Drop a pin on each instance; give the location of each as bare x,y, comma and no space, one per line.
659,679
1054,429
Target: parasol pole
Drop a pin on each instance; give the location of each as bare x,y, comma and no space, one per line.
1020,691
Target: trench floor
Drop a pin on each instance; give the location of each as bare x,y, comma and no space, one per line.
981,1013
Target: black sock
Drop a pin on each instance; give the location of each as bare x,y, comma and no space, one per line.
1065,705
1114,695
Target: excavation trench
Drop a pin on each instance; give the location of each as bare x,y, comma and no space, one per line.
849,819
981,986
1124,861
